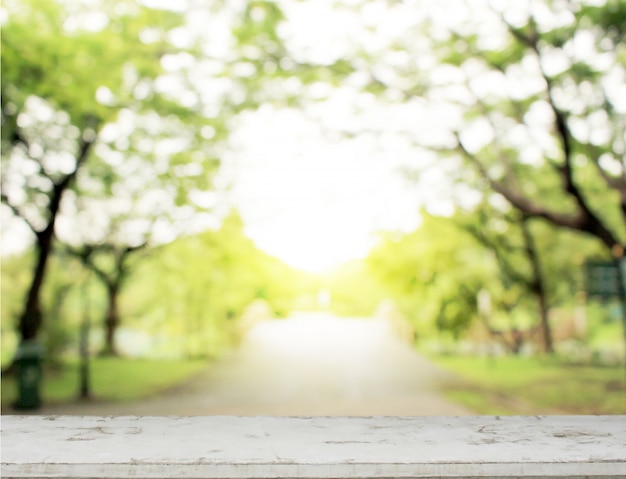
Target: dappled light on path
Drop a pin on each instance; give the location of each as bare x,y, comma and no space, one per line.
309,364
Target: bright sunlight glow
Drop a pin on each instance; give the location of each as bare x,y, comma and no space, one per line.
312,202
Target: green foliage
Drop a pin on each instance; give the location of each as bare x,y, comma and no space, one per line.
610,17
49,54
195,291
558,253
88,104
14,282
352,290
541,136
433,274
67,75
57,337
605,330
502,58
60,296
259,22
200,287
541,116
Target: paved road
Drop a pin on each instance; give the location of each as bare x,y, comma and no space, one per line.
310,364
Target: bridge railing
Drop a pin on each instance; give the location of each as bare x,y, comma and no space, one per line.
313,447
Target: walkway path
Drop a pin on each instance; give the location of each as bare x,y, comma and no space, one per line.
310,364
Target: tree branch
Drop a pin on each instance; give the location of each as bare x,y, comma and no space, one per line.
584,220
17,212
504,263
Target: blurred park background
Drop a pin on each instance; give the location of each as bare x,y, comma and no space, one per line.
180,179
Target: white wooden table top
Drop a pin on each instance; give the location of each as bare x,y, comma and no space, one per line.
313,447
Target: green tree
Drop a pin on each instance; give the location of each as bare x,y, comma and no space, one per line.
523,105
67,71
564,163
552,147
112,96
199,287
434,274
542,110
110,264
510,238
58,303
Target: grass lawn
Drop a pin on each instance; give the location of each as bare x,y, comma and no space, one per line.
511,385
112,379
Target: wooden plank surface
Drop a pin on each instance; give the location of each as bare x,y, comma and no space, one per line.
313,447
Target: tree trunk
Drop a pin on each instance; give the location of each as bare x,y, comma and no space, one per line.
113,282
31,319
111,320
84,369
546,330
538,287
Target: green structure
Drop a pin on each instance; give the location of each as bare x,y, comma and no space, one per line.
28,363
603,279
